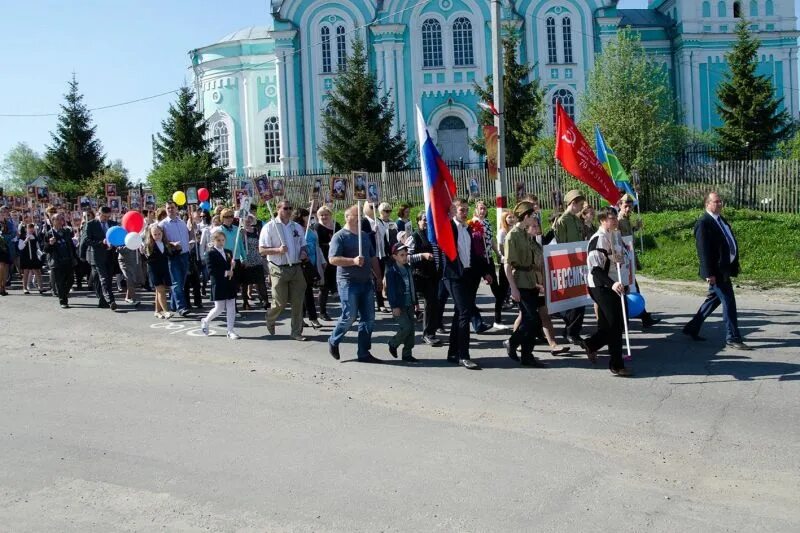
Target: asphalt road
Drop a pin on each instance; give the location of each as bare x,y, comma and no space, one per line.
115,422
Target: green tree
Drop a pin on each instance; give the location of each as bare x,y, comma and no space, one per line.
75,153
20,166
357,122
523,103
752,118
115,173
182,152
629,97
184,131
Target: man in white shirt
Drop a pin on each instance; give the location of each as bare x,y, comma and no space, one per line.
283,243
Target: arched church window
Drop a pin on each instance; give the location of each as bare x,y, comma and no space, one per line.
737,10
753,8
219,143
722,10
341,48
452,123
272,141
552,55
325,39
567,102
566,34
769,8
463,54
432,55
707,9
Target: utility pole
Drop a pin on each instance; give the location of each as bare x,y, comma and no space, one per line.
499,121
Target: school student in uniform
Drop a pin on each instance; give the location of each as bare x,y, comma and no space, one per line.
403,301
219,262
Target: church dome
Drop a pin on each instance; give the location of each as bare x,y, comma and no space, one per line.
247,34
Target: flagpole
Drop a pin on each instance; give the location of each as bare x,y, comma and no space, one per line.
499,119
624,315
360,246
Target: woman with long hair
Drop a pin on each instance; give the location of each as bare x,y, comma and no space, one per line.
157,251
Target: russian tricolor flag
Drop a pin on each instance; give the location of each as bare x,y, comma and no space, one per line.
439,189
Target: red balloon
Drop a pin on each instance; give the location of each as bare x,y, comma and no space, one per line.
133,222
203,194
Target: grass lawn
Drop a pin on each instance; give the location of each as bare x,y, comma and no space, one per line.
769,246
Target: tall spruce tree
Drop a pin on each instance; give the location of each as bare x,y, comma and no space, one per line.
752,118
357,122
75,153
184,131
182,152
523,103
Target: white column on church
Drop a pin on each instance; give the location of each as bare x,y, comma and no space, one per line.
400,96
291,103
391,86
283,122
244,121
380,63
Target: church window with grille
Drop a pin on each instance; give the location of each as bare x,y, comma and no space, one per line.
219,142
722,9
567,102
325,40
737,10
341,48
462,42
552,55
272,141
566,29
769,8
706,9
432,55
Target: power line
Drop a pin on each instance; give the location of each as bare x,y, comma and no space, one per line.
299,50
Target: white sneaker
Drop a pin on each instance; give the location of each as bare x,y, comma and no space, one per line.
204,326
233,336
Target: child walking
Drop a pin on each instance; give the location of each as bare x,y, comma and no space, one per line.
402,300
157,251
219,262
29,261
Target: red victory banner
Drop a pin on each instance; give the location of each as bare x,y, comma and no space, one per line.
578,159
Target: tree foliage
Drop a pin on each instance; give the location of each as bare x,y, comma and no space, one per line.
75,153
182,152
20,166
629,97
523,103
752,118
357,122
115,173
184,131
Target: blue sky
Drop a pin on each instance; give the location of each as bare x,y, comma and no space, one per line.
120,50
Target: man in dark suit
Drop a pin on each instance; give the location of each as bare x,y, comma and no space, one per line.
462,279
718,252
101,257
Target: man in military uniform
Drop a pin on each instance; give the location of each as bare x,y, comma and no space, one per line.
519,268
569,228
627,228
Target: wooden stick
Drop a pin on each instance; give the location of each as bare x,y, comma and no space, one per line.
624,315
360,246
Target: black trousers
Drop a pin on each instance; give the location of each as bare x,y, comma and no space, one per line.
328,286
379,300
525,335
441,298
610,325
61,278
463,294
309,305
103,281
498,290
191,287
573,321
431,317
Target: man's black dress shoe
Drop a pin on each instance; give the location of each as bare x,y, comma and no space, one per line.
469,364
393,351
369,359
511,351
533,362
334,351
577,340
410,359
452,359
694,336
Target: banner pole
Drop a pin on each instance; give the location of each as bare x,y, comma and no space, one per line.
624,316
360,245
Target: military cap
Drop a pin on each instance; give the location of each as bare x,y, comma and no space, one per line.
523,207
573,195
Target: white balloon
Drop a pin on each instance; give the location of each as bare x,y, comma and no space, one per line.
133,241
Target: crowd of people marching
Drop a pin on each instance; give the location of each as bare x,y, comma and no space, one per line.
387,265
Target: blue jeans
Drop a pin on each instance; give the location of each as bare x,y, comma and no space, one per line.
356,298
178,269
719,293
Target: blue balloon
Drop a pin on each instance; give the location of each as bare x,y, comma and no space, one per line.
116,236
635,304
205,205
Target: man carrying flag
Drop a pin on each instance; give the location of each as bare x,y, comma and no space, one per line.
454,241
